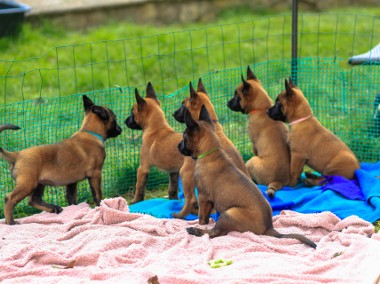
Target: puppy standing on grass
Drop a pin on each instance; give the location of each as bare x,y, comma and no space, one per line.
159,143
62,164
223,186
271,163
193,104
310,142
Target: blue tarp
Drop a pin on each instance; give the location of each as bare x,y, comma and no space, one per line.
301,198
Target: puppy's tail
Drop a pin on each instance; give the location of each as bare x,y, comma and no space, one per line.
272,232
8,156
8,126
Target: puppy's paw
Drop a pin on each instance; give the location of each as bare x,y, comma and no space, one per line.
194,231
56,209
135,200
13,222
204,221
178,215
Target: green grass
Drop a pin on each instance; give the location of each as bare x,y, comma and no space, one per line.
50,61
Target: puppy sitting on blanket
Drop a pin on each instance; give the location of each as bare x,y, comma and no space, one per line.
223,186
310,142
65,163
193,104
271,163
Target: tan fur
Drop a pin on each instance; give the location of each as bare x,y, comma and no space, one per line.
226,188
159,145
271,163
62,164
311,143
194,103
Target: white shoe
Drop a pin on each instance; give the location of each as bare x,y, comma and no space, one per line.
372,56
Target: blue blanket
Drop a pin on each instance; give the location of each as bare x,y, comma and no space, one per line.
338,196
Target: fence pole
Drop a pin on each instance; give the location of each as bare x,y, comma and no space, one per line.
294,40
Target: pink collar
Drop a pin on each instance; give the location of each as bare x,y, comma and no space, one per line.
299,120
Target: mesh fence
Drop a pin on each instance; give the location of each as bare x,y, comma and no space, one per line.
342,97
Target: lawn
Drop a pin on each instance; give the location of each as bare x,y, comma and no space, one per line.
50,67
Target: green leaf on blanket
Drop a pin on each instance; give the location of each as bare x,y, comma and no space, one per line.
70,265
219,262
337,254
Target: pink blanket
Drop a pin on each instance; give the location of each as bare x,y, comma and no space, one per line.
109,244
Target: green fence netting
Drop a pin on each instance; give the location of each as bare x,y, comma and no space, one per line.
342,97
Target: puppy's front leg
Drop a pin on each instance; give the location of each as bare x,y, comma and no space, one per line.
95,185
297,162
142,180
188,185
205,207
71,194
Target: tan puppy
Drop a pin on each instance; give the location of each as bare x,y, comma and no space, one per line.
194,103
159,143
222,185
310,142
62,164
271,163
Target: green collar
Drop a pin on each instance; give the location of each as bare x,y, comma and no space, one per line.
96,135
207,153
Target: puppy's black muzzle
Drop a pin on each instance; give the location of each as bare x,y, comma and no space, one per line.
276,113
234,104
179,114
183,150
131,123
115,131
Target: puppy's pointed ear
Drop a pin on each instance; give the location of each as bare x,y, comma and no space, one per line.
289,89
100,112
193,93
87,103
140,101
250,74
191,124
201,87
204,115
150,92
291,83
246,85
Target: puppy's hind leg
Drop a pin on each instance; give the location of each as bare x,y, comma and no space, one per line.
35,200
22,190
142,180
71,194
173,185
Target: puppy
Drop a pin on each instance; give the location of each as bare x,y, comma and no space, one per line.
310,142
271,163
223,186
193,103
62,164
159,143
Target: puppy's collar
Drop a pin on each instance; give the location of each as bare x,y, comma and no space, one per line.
299,120
100,137
253,111
207,153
